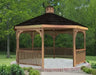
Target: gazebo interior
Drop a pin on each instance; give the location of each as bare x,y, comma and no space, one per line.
52,25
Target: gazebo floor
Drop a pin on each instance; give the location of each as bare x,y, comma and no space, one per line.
54,64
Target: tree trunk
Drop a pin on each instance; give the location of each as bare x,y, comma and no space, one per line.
8,46
8,42
95,44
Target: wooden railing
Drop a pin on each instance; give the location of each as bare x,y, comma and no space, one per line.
34,57
49,51
80,55
80,50
59,52
30,57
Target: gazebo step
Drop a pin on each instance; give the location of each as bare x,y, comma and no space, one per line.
73,69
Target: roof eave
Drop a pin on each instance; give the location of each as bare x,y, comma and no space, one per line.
45,26
27,27
65,26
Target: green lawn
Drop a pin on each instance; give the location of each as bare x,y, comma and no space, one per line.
7,61
91,59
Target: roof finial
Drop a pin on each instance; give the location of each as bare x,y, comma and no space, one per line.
49,9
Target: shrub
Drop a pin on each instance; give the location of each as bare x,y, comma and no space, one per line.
16,70
11,70
27,68
88,61
93,65
4,70
30,68
82,67
94,72
34,72
86,69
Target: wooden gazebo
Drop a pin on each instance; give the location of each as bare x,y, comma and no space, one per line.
51,24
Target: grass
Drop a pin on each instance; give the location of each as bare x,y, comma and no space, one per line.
91,59
7,61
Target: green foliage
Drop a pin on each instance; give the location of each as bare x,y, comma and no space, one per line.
91,59
37,41
87,61
4,70
31,71
25,41
27,68
16,70
82,67
34,72
13,12
86,69
93,65
80,41
64,40
11,70
48,41
94,72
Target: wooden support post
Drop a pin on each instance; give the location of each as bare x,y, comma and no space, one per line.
42,36
53,46
85,44
17,47
32,40
84,40
74,47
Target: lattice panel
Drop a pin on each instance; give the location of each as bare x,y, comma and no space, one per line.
63,51
59,52
80,57
30,57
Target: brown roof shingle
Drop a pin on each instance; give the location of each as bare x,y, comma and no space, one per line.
49,18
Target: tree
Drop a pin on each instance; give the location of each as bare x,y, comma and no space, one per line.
14,12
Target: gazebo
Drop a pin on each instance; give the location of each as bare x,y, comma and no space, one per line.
51,24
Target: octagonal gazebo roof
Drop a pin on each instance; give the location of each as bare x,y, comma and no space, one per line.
49,19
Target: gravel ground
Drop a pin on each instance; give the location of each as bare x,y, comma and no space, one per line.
57,63
60,63
51,63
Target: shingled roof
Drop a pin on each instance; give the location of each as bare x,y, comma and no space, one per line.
49,18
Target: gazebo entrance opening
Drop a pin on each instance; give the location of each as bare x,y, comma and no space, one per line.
59,46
